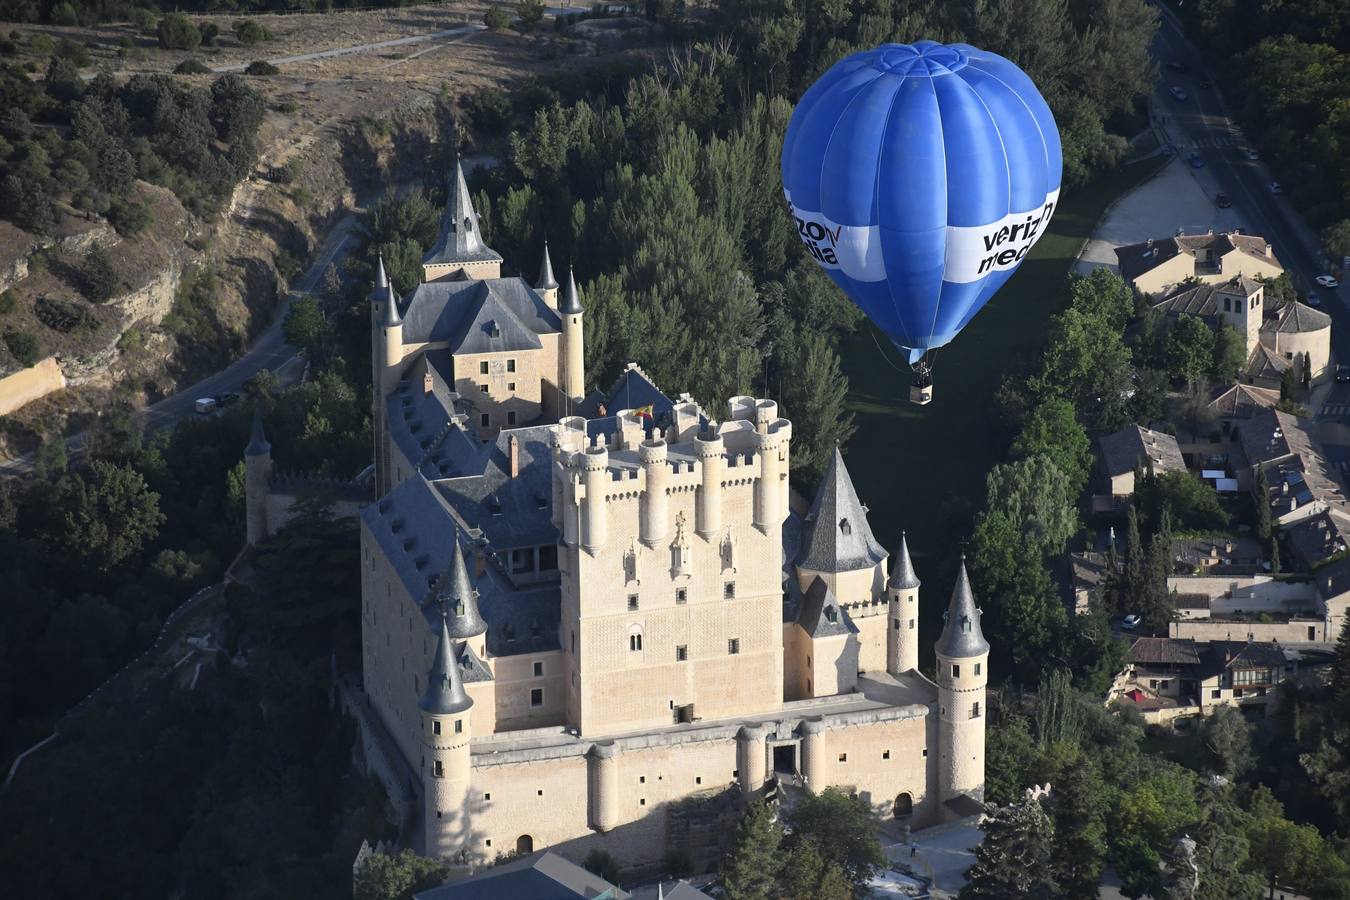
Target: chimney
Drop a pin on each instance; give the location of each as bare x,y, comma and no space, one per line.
426,382
1227,546
513,450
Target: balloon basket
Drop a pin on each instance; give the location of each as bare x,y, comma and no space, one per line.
921,394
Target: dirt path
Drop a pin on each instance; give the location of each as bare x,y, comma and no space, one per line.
359,48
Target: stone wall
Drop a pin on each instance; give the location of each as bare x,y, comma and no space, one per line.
1292,631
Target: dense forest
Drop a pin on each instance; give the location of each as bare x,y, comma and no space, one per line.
1287,69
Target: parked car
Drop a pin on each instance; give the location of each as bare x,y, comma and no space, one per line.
1327,281
205,406
1251,153
1177,93
229,398
1343,374
1222,201
1130,622
1197,162
1275,188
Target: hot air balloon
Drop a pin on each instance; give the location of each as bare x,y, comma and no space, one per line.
919,177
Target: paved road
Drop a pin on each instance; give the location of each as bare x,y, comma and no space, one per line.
360,48
270,351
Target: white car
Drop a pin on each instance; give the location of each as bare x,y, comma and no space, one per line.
1177,93
1275,188
205,406
1252,154
1131,622
1327,281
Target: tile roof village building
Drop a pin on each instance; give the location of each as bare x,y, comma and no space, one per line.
1218,278
1167,678
589,620
1135,447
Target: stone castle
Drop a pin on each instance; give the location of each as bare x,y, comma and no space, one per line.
584,614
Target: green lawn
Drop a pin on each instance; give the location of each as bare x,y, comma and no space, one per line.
923,468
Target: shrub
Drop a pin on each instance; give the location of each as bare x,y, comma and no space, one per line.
63,315
143,19
41,45
64,14
23,345
488,110
74,51
531,12
8,47
9,301
131,339
175,32
249,32
128,217
210,31
192,67
497,18
99,276
261,67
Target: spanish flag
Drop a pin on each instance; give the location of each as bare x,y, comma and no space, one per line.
645,411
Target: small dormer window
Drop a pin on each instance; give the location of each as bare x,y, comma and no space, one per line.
844,527
468,224
965,624
829,613
494,330
459,607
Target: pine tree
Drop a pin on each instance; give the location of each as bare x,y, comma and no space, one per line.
1274,554
1078,804
1340,671
751,867
1013,862
1262,505
1156,601
1134,556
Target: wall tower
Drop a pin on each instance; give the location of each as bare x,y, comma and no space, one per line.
902,631
574,354
962,672
257,475
547,286
446,730
465,621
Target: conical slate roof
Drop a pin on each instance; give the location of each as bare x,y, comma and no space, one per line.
257,440
838,538
961,635
460,600
391,316
445,693
381,279
546,280
902,571
460,240
571,300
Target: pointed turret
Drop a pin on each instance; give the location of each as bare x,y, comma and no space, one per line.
961,635
445,693
546,280
461,241
458,597
381,279
902,570
391,315
838,538
571,301
257,441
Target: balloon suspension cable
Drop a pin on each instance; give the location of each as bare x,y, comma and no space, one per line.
882,352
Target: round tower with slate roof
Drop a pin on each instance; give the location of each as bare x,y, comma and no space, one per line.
460,600
574,355
902,631
391,341
257,476
547,285
962,673
446,765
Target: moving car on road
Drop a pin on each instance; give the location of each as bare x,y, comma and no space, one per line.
205,406
229,398
1222,201
1275,188
1177,93
1343,374
1130,622
1327,281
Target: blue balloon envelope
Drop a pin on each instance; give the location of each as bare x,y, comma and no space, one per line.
919,177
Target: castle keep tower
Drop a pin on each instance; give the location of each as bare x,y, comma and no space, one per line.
445,744
962,672
460,251
902,632
257,474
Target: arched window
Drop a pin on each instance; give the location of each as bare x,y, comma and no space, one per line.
635,642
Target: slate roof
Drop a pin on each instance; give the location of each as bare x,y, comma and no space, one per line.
1333,579
570,305
546,280
1272,434
428,428
458,597
541,876
961,636
510,512
461,239
1242,401
633,389
1160,650
445,693
1296,318
1318,537
1238,655
391,316
462,313
1266,364
471,668
902,570
1132,445
838,538
1136,259
1219,555
257,440
820,615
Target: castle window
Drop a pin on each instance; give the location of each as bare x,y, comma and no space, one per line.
438,813
539,792
483,388
435,727
436,770
632,602
975,710
483,368
844,527
485,420
511,417
734,646
488,842
977,668
698,779
459,726
1226,303
843,757
510,365
538,669
895,624
681,596
511,386
536,696
925,752
635,642
956,671
681,653
911,624
486,797
729,590
885,754
642,779
574,643
642,802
